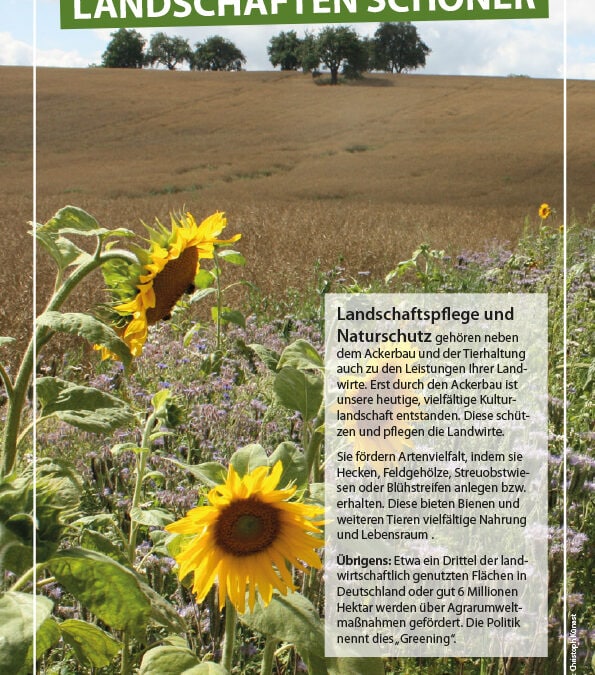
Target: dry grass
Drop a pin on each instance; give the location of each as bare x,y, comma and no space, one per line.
305,172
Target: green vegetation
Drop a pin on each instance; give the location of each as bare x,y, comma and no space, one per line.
125,50
126,447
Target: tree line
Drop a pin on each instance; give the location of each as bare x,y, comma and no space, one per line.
395,47
127,50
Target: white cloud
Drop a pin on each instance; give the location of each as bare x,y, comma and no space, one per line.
14,52
58,58
493,48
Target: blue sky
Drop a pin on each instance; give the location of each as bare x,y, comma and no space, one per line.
499,48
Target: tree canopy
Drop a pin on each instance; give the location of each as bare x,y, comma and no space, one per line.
217,53
125,50
397,47
340,47
285,50
168,51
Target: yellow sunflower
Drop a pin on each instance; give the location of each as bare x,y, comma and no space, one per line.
545,211
247,537
166,272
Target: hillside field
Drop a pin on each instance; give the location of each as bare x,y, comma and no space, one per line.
362,172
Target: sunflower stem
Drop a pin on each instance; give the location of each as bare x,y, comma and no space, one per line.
268,656
231,617
125,663
6,380
16,399
312,450
140,476
29,575
219,297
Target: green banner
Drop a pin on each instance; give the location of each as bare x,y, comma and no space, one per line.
141,13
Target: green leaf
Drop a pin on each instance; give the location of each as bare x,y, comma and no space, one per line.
84,407
17,628
74,220
71,219
176,661
233,257
88,327
47,637
159,400
316,494
203,279
295,469
246,459
201,294
234,316
92,646
109,590
56,498
96,520
6,341
95,541
208,473
156,476
294,619
355,666
163,613
269,357
62,250
302,356
151,517
298,390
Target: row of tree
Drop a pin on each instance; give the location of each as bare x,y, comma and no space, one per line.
127,50
395,47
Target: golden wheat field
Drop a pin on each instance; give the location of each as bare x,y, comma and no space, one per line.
361,173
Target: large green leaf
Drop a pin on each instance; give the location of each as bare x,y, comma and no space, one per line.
56,498
294,619
109,590
46,637
301,355
74,220
208,473
92,646
62,250
299,390
234,316
17,627
151,517
88,327
172,660
246,459
233,257
163,613
269,357
96,541
355,666
84,407
295,469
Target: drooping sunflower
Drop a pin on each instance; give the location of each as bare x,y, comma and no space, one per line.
247,536
147,293
545,211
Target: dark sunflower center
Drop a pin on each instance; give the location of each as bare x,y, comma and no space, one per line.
171,284
247,526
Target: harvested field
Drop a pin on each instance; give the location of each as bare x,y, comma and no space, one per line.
361,172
